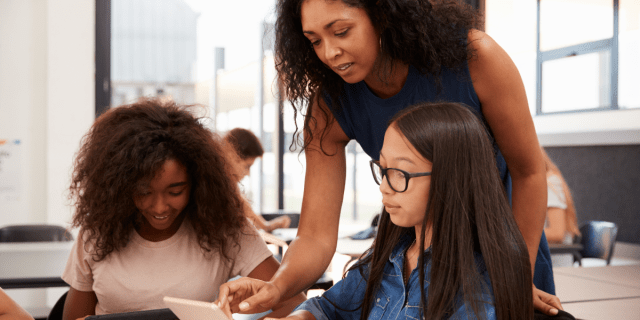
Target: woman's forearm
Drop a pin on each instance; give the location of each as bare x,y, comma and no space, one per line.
529,203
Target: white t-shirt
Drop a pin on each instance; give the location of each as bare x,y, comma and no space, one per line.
142,273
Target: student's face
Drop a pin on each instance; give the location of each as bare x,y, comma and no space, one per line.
244,167
406,209
167,194
343,37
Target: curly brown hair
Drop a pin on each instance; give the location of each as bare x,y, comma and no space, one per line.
125,147
428,34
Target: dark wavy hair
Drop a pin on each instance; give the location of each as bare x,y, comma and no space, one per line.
245,143
469,212
125,147
427,34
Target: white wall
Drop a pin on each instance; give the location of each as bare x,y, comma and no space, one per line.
47,102
23,48
614,127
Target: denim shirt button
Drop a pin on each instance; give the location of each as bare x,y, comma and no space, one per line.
378,300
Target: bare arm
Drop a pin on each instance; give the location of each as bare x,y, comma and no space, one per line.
557,225
497,82
504,104
310,253
264,271
79,304
10,310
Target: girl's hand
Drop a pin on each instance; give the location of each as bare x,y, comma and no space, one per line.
546,302
248,295
281,222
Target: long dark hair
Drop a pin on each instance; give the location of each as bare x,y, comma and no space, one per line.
469,213
427,34
125,147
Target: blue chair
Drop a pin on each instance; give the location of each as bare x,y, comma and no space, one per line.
598,240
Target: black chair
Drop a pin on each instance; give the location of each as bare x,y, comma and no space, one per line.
34,233
56,311
598,240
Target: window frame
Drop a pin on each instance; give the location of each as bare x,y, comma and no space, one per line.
597,46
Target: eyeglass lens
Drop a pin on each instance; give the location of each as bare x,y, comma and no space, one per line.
396,179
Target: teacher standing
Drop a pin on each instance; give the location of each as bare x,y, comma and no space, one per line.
348,66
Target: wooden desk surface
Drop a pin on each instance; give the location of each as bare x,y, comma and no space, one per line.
628,276
620,309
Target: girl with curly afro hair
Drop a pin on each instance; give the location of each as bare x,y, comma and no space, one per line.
349,65
159,214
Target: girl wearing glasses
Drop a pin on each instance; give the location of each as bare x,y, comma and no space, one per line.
348,66
448,246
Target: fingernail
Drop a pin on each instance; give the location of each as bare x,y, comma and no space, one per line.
229,298
554,311
244,306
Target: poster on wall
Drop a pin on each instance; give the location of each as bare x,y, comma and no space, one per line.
10,169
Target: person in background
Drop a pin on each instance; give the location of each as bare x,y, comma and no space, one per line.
561,225
247,149
10,310
348,66
159,215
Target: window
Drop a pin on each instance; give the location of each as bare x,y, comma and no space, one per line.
584,55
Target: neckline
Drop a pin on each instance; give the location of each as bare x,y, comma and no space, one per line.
136,237
412,76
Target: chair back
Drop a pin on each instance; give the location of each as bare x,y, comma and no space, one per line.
56,311
34,233
598,239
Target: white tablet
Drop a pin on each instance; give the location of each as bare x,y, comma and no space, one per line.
187,309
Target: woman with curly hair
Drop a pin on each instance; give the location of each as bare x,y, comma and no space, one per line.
348,66
159,215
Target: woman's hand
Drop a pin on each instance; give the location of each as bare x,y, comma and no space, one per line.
546,302
248,295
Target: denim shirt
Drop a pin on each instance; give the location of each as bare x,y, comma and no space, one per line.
393,300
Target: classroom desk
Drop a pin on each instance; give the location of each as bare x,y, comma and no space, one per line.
575,249
346,246
600,283
619,309
628,276
33,264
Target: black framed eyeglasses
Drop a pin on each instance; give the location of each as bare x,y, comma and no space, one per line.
397,179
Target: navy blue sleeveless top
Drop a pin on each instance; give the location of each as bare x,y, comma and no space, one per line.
364,117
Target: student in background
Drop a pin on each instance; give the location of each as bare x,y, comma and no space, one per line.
159,215
562,223
10,310
247,149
